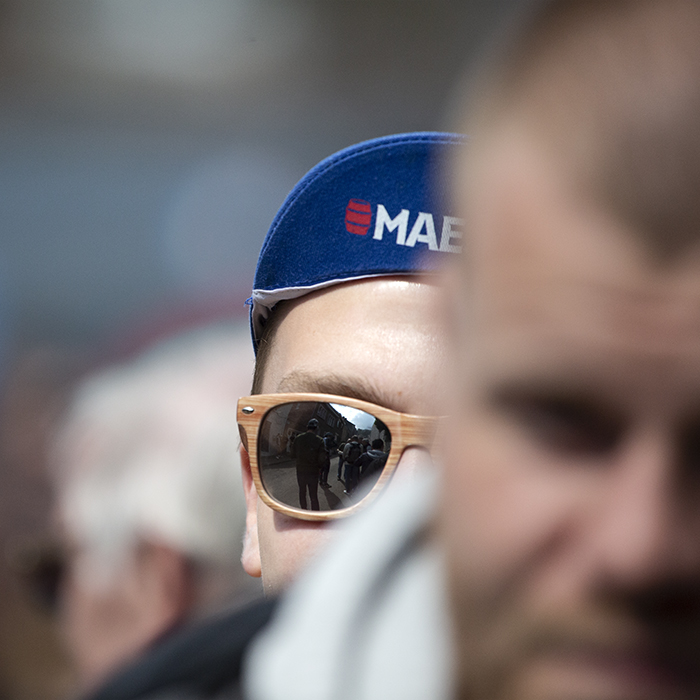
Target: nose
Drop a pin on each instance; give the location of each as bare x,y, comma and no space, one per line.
645,533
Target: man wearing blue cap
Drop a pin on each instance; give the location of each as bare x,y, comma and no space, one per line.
339,309
568,513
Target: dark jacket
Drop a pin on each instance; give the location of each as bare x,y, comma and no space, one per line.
305,449
200,661
371,463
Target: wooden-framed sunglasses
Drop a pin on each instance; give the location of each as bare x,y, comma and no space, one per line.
320,456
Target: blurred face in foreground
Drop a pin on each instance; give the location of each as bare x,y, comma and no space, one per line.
572,506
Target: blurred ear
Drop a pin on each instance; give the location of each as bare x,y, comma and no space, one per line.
109,623
251,547
166,585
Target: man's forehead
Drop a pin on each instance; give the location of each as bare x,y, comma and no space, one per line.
393,302
601,293
376,340
553,273
528,217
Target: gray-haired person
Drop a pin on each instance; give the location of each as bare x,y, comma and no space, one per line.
149,497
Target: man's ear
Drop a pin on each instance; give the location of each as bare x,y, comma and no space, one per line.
251,547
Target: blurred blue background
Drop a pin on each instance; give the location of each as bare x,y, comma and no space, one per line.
145,145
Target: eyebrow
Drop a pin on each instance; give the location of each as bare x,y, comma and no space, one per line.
352,387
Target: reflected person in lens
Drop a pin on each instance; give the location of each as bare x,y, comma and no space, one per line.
340,307
330,444
307,452
369,465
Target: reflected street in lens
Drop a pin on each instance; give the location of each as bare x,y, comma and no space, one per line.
321,456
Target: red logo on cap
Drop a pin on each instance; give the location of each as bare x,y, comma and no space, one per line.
358,216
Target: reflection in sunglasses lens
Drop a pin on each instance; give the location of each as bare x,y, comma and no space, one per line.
321,456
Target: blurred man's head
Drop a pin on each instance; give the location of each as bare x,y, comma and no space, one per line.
149,497
571,509
338,309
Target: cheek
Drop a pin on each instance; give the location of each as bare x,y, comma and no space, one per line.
286,546
506,512
82,618
79,604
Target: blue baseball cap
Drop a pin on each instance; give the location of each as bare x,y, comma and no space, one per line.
373,209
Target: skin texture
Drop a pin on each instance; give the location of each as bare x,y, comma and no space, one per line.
107,623
376,340
571,515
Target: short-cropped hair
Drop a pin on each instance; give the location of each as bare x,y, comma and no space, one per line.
612,89
148,450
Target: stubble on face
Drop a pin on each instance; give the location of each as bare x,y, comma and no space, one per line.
566,334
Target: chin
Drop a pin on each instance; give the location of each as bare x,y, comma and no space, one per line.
597,676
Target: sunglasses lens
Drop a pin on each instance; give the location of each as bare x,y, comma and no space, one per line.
321,456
